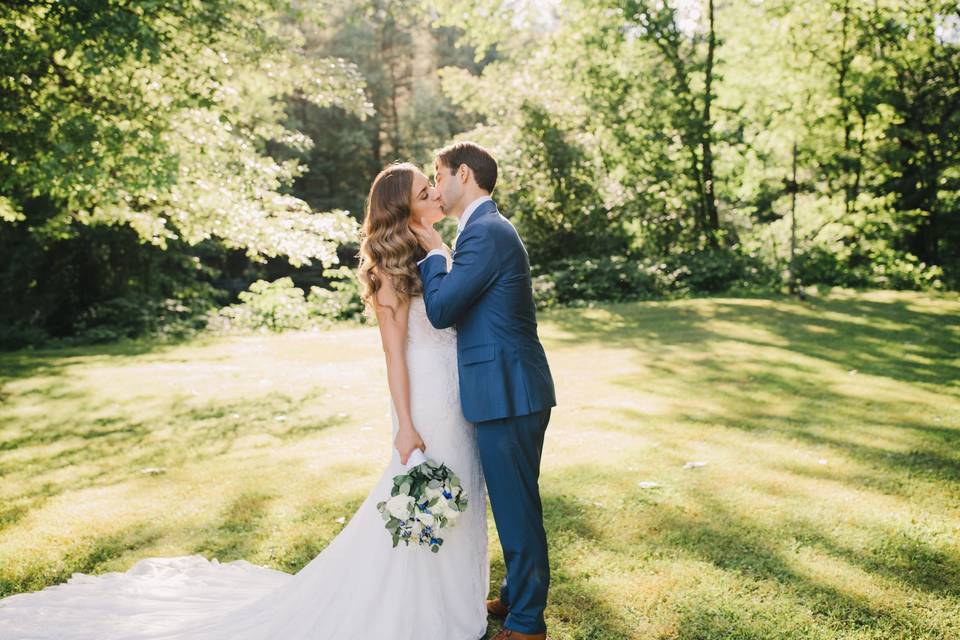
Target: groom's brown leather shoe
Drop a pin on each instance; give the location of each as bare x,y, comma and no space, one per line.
497,609
505,633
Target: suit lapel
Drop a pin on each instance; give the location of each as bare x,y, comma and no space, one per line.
485,208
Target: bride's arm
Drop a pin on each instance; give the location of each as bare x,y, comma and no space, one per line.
392,319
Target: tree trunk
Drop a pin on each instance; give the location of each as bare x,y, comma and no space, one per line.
710,200
793,224
843,68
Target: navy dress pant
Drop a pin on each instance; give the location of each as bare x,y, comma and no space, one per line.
510,450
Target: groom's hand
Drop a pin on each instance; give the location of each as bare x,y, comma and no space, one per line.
428,237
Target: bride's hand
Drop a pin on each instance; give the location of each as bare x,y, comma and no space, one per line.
406,441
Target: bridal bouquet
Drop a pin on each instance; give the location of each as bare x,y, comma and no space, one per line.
423,502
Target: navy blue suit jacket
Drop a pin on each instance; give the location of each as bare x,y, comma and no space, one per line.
488,295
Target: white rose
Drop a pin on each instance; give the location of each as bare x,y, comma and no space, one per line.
399,506
425,518
452,515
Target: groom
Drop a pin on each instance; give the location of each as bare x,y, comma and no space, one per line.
505,383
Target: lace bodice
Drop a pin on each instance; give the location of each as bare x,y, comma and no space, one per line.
420,333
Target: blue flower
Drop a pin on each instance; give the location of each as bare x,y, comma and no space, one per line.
447,494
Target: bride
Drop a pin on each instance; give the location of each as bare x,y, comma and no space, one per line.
359,587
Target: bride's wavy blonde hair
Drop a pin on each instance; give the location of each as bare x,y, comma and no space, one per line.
388,248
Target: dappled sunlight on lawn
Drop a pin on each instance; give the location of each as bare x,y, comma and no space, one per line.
715,468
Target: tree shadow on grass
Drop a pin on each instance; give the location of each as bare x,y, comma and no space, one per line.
701,526
849,332
240,530
885,339
88,557
769,395
929,463
318,520
574,602
720,621
730,542
11,514
895,555
115,448
54,362
765,396
921,451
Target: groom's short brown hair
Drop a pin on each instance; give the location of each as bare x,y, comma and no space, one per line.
480,161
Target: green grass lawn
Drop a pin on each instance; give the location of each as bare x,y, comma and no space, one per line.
828,505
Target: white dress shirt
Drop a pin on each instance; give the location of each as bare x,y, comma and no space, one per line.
460,225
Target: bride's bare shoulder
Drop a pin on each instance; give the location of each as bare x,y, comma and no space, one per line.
386,298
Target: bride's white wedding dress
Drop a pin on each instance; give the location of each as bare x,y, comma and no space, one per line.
358,588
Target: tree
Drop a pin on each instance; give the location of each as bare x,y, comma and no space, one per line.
157,116
141,143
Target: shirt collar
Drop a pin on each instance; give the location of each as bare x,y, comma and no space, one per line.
469,211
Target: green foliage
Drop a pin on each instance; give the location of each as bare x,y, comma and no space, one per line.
18,335
550,193
98,283
884,268
217,132
166,121
130,316
157,116
720,270
273,306
682,130
611,278
137,315
549,183
340,300
396,50
280,305
619,278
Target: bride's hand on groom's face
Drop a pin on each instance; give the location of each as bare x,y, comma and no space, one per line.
428,237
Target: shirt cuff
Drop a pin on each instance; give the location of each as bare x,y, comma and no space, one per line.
434,252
